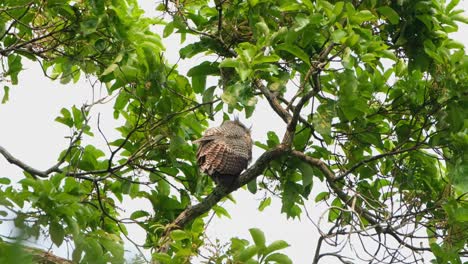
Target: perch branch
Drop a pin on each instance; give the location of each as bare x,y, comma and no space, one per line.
221,191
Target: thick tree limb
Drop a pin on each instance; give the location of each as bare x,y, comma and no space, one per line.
222,191
37,255
41,256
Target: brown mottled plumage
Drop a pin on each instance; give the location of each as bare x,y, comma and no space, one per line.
225,151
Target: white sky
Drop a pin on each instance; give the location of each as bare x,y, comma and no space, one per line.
29,132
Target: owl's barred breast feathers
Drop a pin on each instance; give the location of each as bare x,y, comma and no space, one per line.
224,151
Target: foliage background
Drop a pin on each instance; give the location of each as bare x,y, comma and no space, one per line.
34,144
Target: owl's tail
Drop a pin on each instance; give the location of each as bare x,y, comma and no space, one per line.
224,179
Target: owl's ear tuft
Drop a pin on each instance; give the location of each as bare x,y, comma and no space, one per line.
237,122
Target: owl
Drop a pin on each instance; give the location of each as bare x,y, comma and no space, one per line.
225,151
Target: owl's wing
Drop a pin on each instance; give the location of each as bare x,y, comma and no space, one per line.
204,139
210,156
222,156
249,143
210,134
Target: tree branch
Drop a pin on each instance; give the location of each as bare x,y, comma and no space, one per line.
380,225
11,159
221,191
376,157
274,102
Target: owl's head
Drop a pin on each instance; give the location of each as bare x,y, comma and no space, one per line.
236,124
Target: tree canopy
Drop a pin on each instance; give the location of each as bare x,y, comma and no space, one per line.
372,95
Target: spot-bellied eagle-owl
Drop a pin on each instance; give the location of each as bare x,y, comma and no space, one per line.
225,151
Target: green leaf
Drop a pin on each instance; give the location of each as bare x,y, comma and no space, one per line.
253,3
334,213
6,94
199,83
451,5
162,257
57,234
291,196
400,68
363,15
138,214
263,28
244,72
387,54
294,50
264,203
371,138
93,249
198,226
322,120
461,214
275,246
351,41
66,118
76,255
252,186
338,7
369,57
199,73
134,190
114,65
456,118
220,211
89,26
14,67
389,13
258,237
265,59
77,117
205,68
14,252
121,101
178,235
307,174
115,247
273,139
458,174
338,35
461,18
229,63
247,253
5,181
453,44
56,180
278,258
302,21
168,29
89,160
110,69
322,196
192,49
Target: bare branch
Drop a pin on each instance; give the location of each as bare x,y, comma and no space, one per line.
34,172
274,102
376,157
